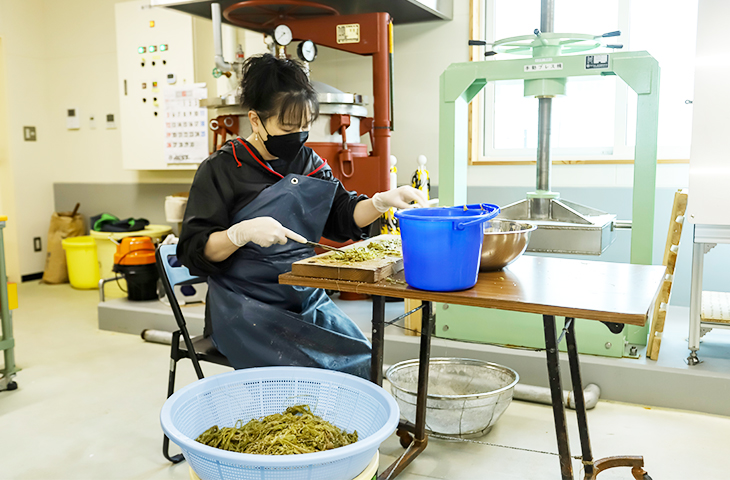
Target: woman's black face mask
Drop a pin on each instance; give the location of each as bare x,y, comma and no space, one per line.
286,147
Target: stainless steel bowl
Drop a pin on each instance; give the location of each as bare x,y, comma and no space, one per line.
466,397
504,241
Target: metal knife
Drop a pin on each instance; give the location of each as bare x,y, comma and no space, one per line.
326,247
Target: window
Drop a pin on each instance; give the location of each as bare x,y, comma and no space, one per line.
596,120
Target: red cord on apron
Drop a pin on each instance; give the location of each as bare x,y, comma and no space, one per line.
266,166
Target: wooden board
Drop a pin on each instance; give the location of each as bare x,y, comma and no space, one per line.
371,271
412,321
715,307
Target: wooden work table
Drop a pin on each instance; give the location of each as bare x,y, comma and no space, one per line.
613,293
609,292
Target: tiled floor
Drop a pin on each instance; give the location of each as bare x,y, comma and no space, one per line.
88,405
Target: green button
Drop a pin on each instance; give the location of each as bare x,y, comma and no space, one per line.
152,49
163,47
141,50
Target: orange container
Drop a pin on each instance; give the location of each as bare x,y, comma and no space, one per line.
135,251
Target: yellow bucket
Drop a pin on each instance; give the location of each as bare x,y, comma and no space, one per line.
82,262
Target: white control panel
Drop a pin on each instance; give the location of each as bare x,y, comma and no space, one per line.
155,50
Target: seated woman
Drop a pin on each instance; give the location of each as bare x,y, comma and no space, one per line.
252,205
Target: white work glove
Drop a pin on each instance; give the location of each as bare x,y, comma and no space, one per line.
263,231
401,198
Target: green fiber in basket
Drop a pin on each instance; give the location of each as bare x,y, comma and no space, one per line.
297,430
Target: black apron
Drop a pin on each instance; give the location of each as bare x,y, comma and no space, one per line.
258,322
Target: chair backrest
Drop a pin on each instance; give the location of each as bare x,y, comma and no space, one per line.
172,276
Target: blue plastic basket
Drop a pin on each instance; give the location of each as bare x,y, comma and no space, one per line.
442,246
346,401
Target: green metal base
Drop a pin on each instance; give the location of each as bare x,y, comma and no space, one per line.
637,335
501,327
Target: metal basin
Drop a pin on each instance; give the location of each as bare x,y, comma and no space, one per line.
504,241
466,397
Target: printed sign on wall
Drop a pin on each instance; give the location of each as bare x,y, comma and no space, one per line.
186,124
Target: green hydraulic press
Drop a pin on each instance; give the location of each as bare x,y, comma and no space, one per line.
564,227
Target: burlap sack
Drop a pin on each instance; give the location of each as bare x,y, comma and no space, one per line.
63,225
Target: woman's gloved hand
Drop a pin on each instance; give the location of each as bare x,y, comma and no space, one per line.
399,198
263,231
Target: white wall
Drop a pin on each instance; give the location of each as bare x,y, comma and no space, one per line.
85,64
26,200
59,55
7,190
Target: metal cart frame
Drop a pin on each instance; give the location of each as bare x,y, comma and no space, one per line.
7,342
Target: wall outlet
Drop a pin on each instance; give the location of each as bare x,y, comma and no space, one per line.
73,119
37,247
29,134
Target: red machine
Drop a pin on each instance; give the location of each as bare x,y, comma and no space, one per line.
364,34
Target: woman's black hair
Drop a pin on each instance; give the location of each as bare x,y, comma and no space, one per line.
275,87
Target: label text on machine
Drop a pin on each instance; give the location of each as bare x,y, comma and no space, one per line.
348,33
543,66
596,61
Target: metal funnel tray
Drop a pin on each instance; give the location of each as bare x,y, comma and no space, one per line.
563,227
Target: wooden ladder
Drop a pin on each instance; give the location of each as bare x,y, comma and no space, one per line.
413,321
659,315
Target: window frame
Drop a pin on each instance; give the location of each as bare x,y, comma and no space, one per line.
484,102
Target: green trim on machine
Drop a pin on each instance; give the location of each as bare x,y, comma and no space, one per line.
502,327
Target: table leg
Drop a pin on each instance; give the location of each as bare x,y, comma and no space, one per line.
591,468
580,403
378,340
424,360
556,390
695,302
420,440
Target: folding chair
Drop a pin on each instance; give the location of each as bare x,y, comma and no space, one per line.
203,348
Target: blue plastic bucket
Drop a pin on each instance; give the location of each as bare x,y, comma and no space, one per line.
442,246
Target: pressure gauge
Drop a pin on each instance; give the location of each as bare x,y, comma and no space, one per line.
307,51
282,35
